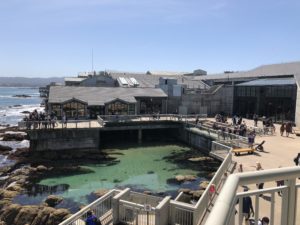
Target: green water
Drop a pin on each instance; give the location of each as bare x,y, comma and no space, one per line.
142,167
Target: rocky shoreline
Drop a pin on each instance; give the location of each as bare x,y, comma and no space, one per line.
26,170
29,167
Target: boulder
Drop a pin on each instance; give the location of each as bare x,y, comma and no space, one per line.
184,190
203,185
14,187
58,216
14,136
4,148
41,168
43,216
197,194
199,159
53,200
26,214
9,214
180,178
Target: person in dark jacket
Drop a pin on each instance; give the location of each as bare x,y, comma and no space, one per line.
92,219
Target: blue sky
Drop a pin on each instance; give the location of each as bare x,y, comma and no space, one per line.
42,38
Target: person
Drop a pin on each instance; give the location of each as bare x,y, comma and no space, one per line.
251,138
255,119
288,128
247,207
279,183
259,167
240,169
92,219
264,221
297,160
282,129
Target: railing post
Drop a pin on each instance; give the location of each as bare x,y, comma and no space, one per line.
292,203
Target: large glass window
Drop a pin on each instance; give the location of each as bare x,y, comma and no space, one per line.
117,108
74,109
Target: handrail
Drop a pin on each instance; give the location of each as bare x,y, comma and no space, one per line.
88,207
223,206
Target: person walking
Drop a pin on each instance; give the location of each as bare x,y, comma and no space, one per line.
282,129
288,129
297,160
258,168
255,119
247,208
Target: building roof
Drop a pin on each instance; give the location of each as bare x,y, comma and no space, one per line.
101,95
269,82
281,69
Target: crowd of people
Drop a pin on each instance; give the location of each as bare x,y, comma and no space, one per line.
40,120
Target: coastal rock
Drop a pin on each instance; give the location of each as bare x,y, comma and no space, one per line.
197,194
184,190
58,216
203,185
53,200
100,192
26,214
14,136
22,96
4,148
25,112
199,159
9,214
41,168
43,215
14,187
182,178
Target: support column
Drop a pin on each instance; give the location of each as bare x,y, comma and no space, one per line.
140,136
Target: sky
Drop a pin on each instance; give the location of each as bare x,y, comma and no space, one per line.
45,38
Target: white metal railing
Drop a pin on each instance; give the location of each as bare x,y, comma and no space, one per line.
150,117
223,212
187,214
102,208
58,124
135,214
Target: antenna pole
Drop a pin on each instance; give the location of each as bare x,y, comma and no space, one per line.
92,60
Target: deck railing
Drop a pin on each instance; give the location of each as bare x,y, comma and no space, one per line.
224,211
102,208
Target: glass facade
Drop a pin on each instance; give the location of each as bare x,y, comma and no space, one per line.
150,106
120,108
75,109
277,101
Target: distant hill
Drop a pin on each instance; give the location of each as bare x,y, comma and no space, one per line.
28,82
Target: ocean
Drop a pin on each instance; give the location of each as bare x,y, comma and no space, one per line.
11,107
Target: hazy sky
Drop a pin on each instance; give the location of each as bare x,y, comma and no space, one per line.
56,37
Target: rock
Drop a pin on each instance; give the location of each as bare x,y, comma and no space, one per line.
199,159
53,200
14,136
10,213
147,192
26,214
203,185
43,216
184,190
41,168
180,178
58,216
211,175
22,96
2,223
197,194
100,192
14,187
25,112
4,148
190,177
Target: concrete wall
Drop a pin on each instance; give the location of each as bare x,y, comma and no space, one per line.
63,139
220,101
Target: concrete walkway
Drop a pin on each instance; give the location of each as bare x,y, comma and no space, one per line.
278,151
